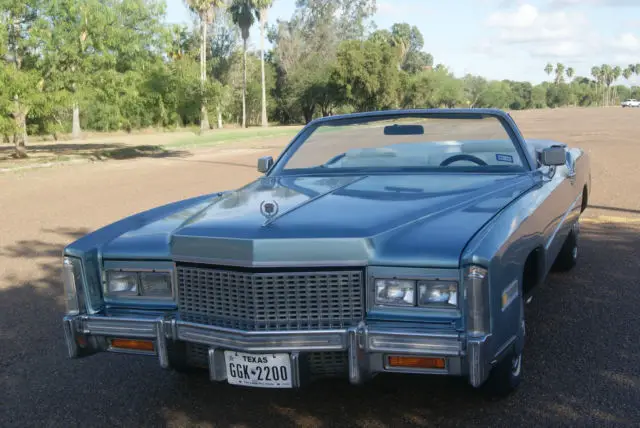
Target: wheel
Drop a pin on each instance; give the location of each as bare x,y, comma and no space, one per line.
505,377
568,256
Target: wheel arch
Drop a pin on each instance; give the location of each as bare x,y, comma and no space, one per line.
585,198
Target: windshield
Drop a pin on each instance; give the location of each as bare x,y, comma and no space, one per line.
435,143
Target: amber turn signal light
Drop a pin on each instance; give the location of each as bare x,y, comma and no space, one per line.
417,362
132,344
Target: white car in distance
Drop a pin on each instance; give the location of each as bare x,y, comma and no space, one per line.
631,103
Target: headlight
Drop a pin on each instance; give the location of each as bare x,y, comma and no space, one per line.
122,283
129,284
155,284
425,294
437,294
395,292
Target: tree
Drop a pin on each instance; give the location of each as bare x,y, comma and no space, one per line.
559,73
82,38
263,6
474,87
627,73
21,77
366,76
596,73
570,73
305,53
548,69
205,9
244,14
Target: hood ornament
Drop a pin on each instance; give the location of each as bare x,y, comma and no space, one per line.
269,209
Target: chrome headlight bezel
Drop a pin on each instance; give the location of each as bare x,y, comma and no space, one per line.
140,293
417,284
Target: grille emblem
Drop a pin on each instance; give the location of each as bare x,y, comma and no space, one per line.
269,209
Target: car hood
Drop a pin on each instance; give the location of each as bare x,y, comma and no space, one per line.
420,220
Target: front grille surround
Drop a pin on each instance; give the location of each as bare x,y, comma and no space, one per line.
271,300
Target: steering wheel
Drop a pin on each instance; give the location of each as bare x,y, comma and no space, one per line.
460,157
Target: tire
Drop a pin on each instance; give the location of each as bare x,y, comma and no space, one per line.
505,377
568,256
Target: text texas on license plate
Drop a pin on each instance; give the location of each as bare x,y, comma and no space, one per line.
258,370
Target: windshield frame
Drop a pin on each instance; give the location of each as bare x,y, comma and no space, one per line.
528,164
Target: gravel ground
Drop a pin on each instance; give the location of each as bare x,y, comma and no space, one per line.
582,359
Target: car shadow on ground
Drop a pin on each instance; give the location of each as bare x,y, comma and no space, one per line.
581,366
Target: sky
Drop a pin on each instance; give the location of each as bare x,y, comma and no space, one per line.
503,39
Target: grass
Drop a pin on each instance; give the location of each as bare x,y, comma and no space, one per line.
230,136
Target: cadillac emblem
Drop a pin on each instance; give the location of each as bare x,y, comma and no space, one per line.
269,209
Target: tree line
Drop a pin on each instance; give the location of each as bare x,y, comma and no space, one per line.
67,66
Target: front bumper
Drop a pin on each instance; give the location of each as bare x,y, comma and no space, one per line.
366,345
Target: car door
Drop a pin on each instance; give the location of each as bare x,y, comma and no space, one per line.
560,207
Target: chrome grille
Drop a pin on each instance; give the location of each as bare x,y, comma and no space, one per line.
270,300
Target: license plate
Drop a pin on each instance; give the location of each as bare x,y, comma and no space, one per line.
258,370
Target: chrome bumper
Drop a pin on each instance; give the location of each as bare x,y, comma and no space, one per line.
86,334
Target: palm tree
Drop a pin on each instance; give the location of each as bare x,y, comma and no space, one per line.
244,14
205,10
607,78
263,6
597,76
616,73
627,72
570,73
548,69
559,73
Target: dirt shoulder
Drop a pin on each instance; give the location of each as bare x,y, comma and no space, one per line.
122,146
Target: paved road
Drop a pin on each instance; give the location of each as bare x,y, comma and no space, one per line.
582,361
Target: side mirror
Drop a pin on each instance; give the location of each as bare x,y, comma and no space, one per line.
264,164
553,156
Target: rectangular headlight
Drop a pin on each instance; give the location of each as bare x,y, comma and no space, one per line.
122,283
437,294
128,284
397,292
156,284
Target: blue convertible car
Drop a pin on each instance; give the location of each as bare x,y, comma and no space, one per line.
380,242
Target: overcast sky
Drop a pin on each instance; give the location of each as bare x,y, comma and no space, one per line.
504,39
